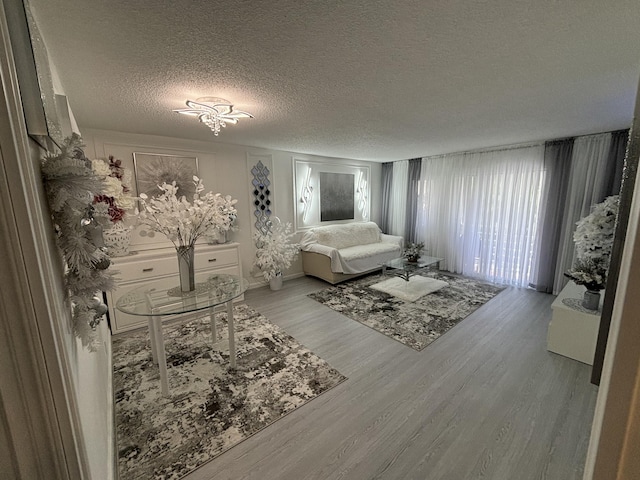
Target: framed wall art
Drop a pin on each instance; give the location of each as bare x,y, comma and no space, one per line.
336,196
153,169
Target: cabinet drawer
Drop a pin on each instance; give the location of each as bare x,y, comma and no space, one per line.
144,269
219,258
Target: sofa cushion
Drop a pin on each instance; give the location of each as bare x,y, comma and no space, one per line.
347,235
370,250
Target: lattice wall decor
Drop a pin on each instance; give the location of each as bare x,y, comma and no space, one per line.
261,193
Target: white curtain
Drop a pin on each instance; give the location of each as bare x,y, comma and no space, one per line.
398,200
479,211
587,186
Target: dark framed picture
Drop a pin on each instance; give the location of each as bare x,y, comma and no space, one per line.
153,169
337,196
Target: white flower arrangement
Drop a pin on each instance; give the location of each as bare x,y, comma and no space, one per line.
590,273
413,250
274,252
594,240
594,233
71,185
183,222
115,197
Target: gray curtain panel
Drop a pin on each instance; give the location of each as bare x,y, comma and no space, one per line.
413,188
557,160
617,152
387,178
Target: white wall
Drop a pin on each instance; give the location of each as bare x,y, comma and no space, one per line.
87,374
224,169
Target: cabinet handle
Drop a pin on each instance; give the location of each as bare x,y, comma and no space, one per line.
212,259
147,269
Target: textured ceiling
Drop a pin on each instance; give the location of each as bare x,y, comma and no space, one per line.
361,79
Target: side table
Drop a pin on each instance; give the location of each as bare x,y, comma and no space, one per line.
573,333
164,297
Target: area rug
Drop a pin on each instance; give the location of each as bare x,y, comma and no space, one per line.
409,290
415,324
211,408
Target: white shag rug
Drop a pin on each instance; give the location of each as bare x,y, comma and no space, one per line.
411,290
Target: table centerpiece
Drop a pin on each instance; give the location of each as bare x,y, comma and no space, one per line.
183,222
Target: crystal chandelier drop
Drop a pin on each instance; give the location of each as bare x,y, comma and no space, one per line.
214,112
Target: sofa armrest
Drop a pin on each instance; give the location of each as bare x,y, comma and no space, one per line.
322,249
393,239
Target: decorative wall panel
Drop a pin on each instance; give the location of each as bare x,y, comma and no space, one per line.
261,193
327,193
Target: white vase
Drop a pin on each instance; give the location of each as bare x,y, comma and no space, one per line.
276,282
117,240
591,299
217,236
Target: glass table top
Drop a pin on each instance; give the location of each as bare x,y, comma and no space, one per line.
403,264
164,297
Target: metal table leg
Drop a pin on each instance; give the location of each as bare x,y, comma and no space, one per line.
162,359
152,331
212,319
232,339
152,340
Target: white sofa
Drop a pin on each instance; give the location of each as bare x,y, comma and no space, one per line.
336,253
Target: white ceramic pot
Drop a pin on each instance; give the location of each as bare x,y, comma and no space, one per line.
276,282
117,240
216,237
591,300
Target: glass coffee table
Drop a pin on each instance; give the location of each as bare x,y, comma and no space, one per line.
401,267
160,298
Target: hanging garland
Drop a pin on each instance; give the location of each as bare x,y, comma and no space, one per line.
71,186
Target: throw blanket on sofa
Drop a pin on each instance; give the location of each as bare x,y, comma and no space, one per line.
349,235
352,247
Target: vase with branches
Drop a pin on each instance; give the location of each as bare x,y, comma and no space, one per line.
183,222
274,251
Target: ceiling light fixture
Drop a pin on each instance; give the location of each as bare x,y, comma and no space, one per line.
214,112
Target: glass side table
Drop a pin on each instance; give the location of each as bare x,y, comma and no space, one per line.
164,297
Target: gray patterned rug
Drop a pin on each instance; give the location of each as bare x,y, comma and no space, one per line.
415,324
211,408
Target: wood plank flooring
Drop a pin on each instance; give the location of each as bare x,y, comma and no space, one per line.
484,401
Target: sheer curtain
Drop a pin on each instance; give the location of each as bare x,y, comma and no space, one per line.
588,182
479,211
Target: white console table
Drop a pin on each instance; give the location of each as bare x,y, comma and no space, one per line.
142,267
573,333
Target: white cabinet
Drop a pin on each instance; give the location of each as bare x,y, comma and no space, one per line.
140,267
573,332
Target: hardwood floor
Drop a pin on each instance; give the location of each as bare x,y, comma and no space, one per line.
484,401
